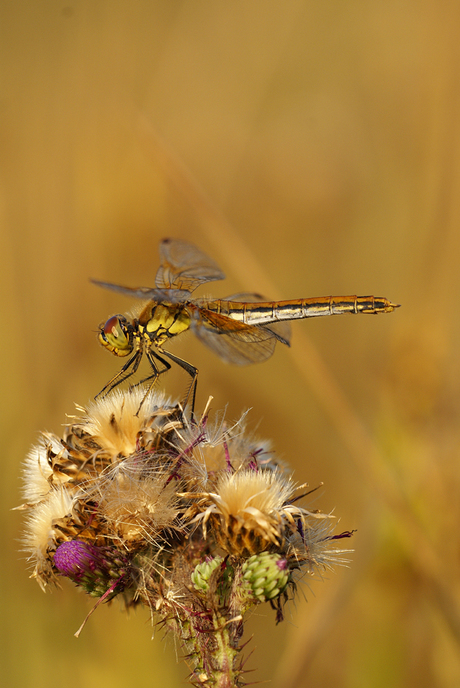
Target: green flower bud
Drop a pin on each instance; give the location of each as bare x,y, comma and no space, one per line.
202,573
267,574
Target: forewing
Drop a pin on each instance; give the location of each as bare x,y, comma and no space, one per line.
233,341
146,293
281,330
184,266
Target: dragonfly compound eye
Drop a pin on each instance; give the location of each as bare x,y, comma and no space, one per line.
115,336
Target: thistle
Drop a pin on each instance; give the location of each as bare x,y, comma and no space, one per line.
197,521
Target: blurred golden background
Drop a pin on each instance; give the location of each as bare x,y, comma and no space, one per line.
311,148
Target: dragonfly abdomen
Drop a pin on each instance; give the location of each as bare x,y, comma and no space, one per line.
260,313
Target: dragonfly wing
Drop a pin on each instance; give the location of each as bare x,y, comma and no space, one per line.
233,341
146,293
281,330
184,266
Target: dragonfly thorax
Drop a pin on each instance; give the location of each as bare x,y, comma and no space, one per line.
166,320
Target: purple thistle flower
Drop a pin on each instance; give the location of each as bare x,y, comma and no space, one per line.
95,569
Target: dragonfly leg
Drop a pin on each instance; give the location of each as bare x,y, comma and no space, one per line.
193,372
123,374
151,356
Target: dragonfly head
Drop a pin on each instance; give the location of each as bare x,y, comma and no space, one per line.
117,335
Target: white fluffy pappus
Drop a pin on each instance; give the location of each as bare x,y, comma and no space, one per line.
212,447
316,549
113,422
37,471
250,510
40,533
248,490
136,503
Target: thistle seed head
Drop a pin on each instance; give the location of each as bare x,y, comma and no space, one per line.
196,520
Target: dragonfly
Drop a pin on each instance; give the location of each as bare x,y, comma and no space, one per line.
241,329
